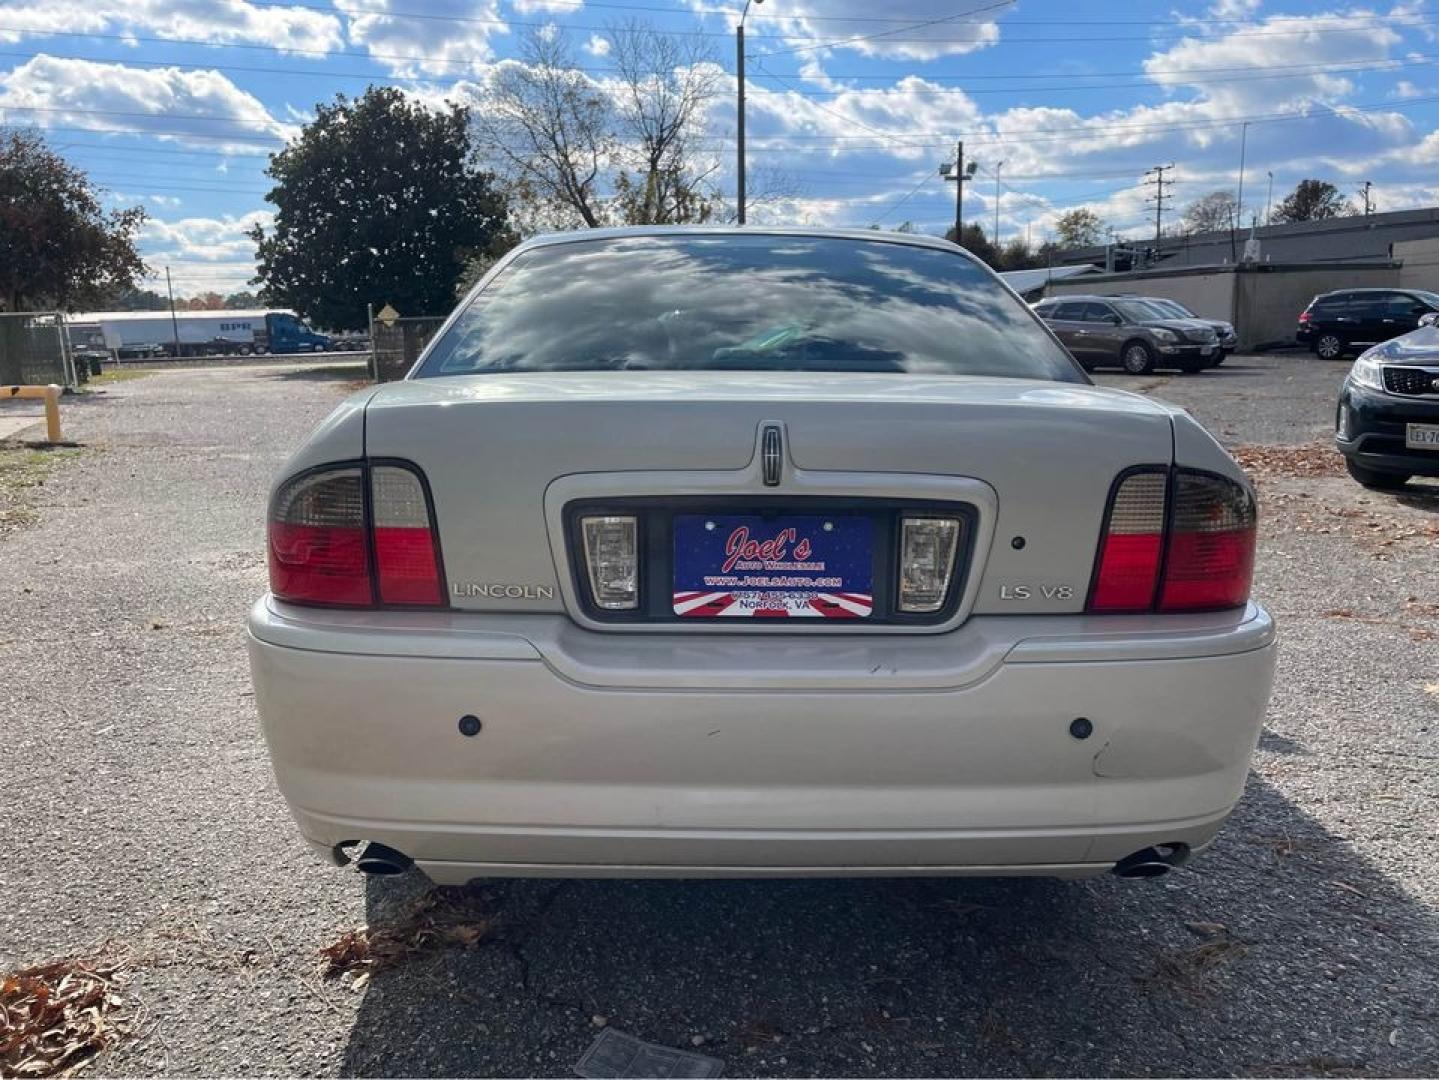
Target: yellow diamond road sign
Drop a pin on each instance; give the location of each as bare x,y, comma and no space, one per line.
387,315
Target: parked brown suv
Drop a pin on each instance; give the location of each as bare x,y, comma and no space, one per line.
1110,331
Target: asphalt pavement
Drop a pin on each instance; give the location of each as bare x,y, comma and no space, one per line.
140,816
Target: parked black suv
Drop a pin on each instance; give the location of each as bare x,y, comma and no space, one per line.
1335,322
1387,423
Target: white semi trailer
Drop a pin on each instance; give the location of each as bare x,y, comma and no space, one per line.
127,334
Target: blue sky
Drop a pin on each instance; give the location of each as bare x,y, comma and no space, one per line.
853,105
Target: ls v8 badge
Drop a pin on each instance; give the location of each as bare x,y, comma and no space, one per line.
1031,592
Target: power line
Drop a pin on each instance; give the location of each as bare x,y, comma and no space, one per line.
904,199
994,5
1270,73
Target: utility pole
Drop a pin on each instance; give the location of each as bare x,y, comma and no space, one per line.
959,173
1238,217
739,72
1269,199
1159,198
1368,199
997,166
174,322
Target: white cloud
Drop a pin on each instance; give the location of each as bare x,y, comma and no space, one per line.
204,254
218,22
1404,90
525,7
812,25
452,40
201,108
1339,40
598,45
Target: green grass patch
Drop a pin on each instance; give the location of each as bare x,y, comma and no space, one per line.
22,470
114,375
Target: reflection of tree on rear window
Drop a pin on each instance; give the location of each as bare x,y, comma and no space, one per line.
747,302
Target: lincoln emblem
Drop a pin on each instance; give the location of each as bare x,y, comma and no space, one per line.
771,454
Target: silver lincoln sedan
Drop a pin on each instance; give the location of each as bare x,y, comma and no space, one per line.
722,552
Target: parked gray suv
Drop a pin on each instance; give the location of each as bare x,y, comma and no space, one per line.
1109,331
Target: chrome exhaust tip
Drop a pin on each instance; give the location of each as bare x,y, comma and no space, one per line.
1152,862
382,861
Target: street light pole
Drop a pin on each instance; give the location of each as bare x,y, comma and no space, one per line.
739,74
997,166
1238,220
1269,199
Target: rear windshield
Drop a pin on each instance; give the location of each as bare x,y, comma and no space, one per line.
747,303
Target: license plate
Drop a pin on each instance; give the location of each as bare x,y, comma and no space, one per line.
748,566
1421,436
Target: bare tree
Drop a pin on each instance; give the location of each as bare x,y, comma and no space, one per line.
1213,212
665,87
549,131
624,150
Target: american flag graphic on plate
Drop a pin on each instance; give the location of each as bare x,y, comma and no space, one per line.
785,567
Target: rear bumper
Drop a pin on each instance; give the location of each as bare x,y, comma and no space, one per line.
678,755
1373,431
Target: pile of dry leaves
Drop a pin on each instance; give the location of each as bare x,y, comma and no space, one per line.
443,919
54,1017
1306,459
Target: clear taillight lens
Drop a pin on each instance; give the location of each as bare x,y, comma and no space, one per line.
328,546
1180,542
1131,546
407,568
926,562
319,553
612,558
1210,562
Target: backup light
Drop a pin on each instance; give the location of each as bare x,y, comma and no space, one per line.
612,558
926,562
331,546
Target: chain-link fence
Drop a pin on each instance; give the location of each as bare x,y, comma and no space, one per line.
34,349
399,342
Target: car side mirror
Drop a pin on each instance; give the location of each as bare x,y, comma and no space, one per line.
1429,318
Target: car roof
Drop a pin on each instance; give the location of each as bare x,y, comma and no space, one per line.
875,235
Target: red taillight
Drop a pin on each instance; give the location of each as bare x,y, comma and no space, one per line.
1180,542
324,550
1304,316
1210,562
407,571
1132,545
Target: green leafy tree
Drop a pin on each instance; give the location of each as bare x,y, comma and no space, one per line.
58,248
1017,256
1080,227
242,299
133,299
1311,200
977,244
378,201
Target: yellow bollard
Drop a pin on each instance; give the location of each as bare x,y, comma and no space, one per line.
51,394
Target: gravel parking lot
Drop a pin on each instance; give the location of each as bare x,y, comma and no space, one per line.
141,818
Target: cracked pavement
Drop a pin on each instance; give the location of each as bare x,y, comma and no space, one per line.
140,811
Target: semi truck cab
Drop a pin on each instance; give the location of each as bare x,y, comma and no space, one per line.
287,334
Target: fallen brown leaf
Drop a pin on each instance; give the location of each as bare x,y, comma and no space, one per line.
56,1016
